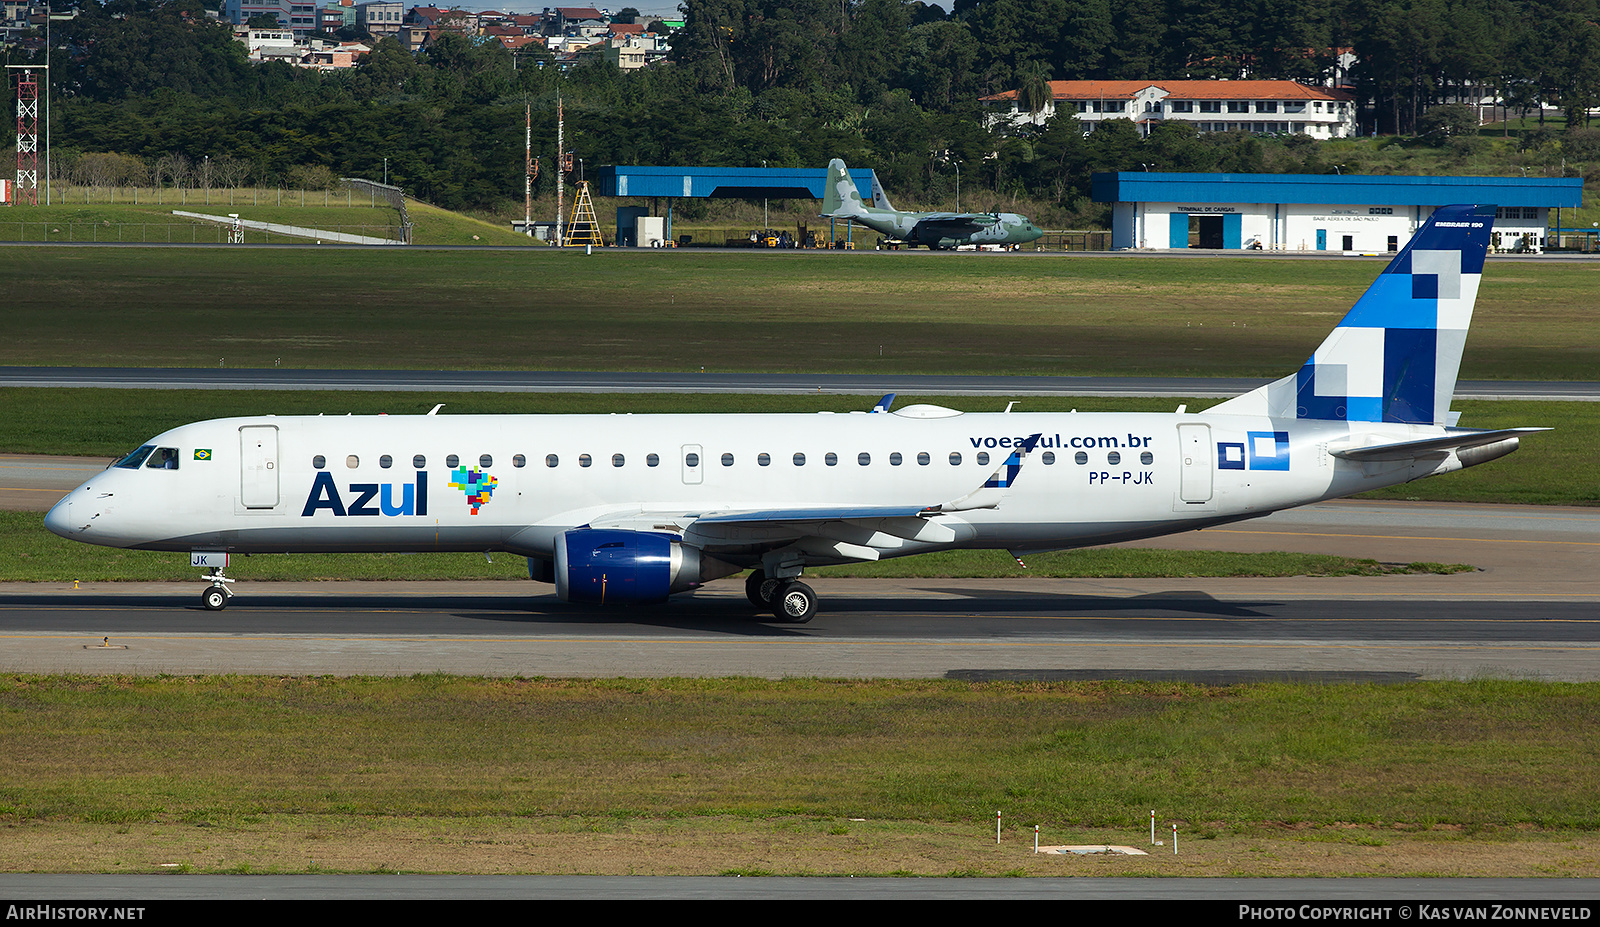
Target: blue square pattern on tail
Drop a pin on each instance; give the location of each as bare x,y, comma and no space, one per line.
1382,363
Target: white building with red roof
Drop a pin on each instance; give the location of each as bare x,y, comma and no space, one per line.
1280,107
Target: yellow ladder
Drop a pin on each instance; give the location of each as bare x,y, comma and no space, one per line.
584,228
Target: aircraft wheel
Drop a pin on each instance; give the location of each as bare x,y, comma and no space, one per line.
759,589
794,603
214,599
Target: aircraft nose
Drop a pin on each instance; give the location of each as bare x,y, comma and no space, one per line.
59,519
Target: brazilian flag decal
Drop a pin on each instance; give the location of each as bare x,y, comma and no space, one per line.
202,453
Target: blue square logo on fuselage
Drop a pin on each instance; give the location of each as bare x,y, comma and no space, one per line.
1269,450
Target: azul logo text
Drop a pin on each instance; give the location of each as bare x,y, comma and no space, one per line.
369,498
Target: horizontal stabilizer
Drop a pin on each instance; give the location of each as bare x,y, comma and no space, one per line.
1452,441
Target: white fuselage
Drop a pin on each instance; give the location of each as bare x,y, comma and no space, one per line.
287,484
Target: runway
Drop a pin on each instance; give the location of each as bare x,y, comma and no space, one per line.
1198,630
1530,610
443,381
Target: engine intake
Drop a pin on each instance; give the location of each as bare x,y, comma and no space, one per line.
611,566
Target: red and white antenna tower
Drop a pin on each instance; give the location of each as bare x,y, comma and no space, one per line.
27,133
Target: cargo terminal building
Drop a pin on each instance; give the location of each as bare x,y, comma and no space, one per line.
1315,212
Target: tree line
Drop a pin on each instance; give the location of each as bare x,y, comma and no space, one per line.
890,84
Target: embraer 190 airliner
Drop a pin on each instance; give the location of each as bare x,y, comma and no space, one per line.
622,509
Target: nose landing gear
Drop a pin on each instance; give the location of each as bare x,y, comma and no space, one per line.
216,596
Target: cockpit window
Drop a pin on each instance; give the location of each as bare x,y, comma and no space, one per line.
164,458
132,461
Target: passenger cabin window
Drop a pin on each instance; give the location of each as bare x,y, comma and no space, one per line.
352,461
799,460
1113,458
519,461
485,461
550,460
132,461
764,460
453,461
1081,458
385,461
727,460
652,460
894,459
923,459
983,458
585,460
617,460
1049,457
420,462
320,462
863,458
1147,458
955,458
691,460
831,459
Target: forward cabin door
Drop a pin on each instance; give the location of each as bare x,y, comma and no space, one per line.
258,466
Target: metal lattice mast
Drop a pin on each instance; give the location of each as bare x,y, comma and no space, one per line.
561,169
27,134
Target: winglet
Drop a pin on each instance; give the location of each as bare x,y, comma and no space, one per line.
884,403
994,489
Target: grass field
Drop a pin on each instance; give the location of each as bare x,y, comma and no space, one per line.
799,776
790,312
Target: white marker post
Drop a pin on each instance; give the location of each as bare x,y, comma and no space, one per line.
1152,827
1035,838
1174,840
996,816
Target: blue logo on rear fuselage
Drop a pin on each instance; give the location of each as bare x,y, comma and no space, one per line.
1265,450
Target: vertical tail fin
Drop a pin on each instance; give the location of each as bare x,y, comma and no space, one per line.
840,198
880,199
1395,355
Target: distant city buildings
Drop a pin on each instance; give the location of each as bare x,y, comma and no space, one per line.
298,17
572,34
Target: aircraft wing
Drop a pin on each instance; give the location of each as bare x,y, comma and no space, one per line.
850,532
955,222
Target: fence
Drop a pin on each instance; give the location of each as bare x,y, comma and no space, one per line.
393,196
62,194
1072,241
182,233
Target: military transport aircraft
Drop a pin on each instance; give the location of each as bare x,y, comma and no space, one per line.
936,230
619,509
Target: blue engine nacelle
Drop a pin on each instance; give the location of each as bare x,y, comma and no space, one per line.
612,566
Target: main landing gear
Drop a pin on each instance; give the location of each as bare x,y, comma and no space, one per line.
216,597
790,601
